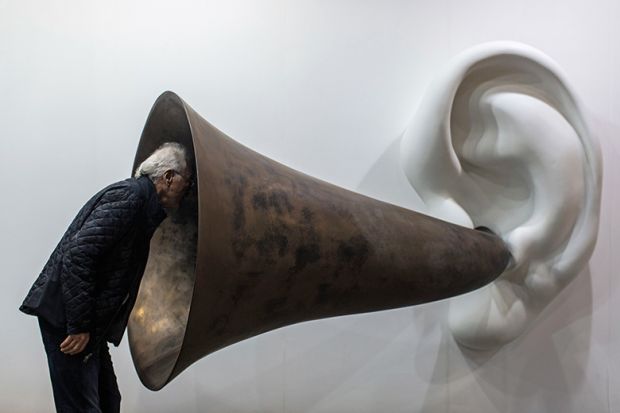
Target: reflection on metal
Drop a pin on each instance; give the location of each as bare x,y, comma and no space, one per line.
260,246
158,319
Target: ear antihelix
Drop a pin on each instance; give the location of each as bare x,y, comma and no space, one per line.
499,140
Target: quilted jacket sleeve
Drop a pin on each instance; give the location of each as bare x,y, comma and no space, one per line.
107,223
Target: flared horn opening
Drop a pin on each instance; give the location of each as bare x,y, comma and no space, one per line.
158,321
259,246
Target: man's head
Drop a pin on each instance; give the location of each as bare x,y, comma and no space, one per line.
167,167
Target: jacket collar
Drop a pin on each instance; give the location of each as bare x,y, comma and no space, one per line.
154,211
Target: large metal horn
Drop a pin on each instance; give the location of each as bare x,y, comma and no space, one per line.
259,246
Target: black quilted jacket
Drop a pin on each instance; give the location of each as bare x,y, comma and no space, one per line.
91,280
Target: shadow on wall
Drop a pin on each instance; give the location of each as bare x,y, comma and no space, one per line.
544,369
386,181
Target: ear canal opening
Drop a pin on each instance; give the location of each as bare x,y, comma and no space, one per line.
158,322
485,229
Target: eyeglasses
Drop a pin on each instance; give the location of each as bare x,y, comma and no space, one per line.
191,182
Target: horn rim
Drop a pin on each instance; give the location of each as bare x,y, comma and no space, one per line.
146,146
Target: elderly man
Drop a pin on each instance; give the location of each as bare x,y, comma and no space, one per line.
85,293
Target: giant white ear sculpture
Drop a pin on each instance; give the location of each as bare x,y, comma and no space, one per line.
500,141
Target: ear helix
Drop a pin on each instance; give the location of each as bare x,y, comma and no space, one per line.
499,141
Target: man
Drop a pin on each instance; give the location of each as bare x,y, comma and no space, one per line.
85,293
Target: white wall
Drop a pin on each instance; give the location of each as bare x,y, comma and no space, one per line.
326,87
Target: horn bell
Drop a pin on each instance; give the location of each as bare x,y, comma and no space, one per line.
257,246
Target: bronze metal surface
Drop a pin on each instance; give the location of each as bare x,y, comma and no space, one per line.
260,246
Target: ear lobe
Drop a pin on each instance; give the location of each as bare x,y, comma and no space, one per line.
500,141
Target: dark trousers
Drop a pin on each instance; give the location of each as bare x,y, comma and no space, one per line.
80,387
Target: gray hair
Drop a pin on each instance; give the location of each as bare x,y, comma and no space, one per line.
170,155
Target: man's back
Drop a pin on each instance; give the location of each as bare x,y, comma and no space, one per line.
90,281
